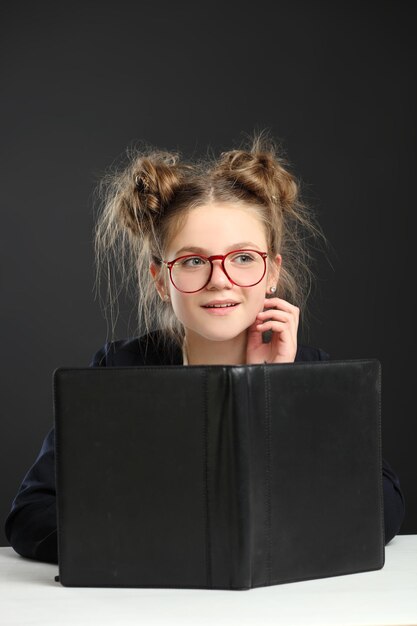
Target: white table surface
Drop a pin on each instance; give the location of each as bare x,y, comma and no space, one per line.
30,595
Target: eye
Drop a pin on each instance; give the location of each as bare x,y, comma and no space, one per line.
194,261
244,258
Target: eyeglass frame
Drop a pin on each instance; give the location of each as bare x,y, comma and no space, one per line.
214,257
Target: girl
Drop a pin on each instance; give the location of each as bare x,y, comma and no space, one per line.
215,251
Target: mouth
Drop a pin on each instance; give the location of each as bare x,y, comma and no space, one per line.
222,305
221,310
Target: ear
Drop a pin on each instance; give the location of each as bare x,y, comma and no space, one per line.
156,273
274,269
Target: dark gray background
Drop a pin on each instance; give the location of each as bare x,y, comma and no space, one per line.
81,82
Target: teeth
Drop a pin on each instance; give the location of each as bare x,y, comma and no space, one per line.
218,306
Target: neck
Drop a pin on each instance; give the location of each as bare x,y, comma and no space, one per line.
202,351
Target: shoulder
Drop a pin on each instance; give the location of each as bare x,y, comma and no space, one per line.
149,349
308,353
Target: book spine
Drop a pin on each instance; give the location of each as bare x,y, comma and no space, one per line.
258,411
228,478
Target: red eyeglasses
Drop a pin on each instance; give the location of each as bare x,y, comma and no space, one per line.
192,272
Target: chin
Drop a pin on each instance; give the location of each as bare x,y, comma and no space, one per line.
218,337
220,334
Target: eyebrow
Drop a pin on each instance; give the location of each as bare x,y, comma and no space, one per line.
235,246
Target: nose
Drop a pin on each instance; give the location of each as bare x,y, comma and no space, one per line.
218,279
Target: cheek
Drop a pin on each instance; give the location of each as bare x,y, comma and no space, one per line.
259,297
181,305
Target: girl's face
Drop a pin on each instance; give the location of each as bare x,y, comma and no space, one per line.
218,229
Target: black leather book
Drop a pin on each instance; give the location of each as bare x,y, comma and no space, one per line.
218,477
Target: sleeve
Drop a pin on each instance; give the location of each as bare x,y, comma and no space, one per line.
31,526
323,356
394,505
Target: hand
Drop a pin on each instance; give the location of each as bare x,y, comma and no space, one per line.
283,321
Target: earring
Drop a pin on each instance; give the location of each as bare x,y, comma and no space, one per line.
272,289
166,298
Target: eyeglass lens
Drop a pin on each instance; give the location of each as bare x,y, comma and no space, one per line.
191,273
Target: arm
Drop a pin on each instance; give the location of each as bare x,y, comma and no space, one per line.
31,526
394,507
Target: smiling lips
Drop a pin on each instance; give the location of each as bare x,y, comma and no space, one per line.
220,308
220,304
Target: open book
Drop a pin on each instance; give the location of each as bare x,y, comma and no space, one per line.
223,477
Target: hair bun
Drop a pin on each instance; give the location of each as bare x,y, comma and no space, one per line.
150,184
157,176
261,172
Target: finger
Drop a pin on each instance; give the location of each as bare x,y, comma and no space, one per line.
274,325
253,328
285,330
282,333
277,314
282,304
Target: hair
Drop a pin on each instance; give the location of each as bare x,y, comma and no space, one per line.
143,204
